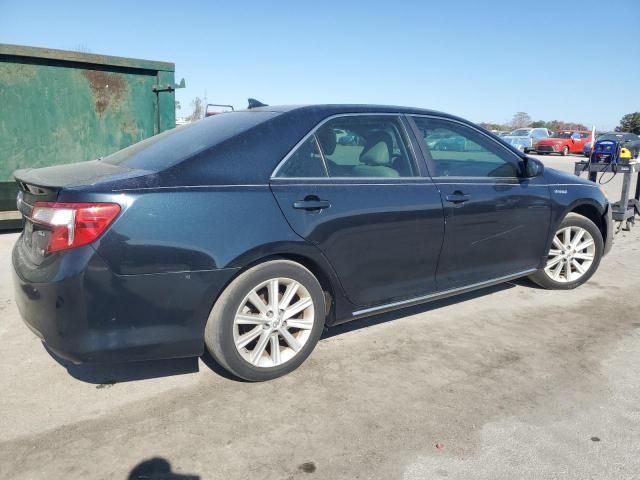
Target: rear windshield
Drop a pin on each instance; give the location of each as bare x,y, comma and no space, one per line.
168,148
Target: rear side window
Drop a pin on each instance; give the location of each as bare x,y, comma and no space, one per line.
460,151
366,146
304,162
173,146
539,134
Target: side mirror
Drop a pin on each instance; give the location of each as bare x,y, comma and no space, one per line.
532,167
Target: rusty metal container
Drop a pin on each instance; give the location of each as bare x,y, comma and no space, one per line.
60,107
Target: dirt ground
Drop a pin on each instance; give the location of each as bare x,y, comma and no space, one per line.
510,382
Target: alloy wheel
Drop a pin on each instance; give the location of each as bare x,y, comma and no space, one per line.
572,252
273,322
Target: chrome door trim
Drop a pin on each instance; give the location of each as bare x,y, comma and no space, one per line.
439,295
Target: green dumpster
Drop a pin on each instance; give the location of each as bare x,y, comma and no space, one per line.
60,107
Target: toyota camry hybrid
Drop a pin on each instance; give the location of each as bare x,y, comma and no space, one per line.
250,232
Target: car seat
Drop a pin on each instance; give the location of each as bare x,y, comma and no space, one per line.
375,158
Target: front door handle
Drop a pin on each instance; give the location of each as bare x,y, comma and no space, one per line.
311,204
457,197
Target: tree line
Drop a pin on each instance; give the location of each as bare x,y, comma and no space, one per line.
629,123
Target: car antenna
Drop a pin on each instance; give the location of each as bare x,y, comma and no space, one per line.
253,103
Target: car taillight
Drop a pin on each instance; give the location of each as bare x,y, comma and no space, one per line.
72,225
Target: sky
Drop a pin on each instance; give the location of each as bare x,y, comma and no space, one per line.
482,60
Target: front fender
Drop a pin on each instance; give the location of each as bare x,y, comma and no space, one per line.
584,197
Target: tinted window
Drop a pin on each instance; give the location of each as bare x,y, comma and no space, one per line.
460,151
610,136
365,146
180,143
305,162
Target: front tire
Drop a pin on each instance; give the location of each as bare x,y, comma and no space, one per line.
267,321
574,256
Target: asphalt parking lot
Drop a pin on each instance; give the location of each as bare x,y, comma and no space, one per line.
505,383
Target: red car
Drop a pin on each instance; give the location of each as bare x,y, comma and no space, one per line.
564,142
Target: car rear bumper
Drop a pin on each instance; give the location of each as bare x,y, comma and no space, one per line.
92,315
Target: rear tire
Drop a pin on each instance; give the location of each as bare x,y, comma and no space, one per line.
258,330
565,151
572,259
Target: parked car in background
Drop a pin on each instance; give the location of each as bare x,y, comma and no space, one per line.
249,233
626,139
348,138
455,143
564,142
526,139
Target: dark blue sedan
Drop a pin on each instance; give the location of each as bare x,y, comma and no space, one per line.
248,233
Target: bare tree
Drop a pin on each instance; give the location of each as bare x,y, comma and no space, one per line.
82,48
198,109
520,119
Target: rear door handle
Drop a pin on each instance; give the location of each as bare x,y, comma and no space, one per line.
457,197
311,204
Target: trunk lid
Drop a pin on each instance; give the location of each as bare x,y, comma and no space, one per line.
46,184
74,175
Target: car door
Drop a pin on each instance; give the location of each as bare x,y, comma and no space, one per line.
576,144
497,223
366,204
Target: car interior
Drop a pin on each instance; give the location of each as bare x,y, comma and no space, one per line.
357,147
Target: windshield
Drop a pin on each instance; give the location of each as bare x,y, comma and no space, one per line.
521,132
610,136
168,148
562,135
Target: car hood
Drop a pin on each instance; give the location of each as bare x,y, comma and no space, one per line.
514,137
517,140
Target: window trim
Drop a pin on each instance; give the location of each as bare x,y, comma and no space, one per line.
293,151
408,144
426,153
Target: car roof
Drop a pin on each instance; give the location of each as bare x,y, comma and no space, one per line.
250,157
338,108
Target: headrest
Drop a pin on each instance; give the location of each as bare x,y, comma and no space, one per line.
327,139
377,149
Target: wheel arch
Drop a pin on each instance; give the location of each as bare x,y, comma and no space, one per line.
594,213
309,258
315,267
588,208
